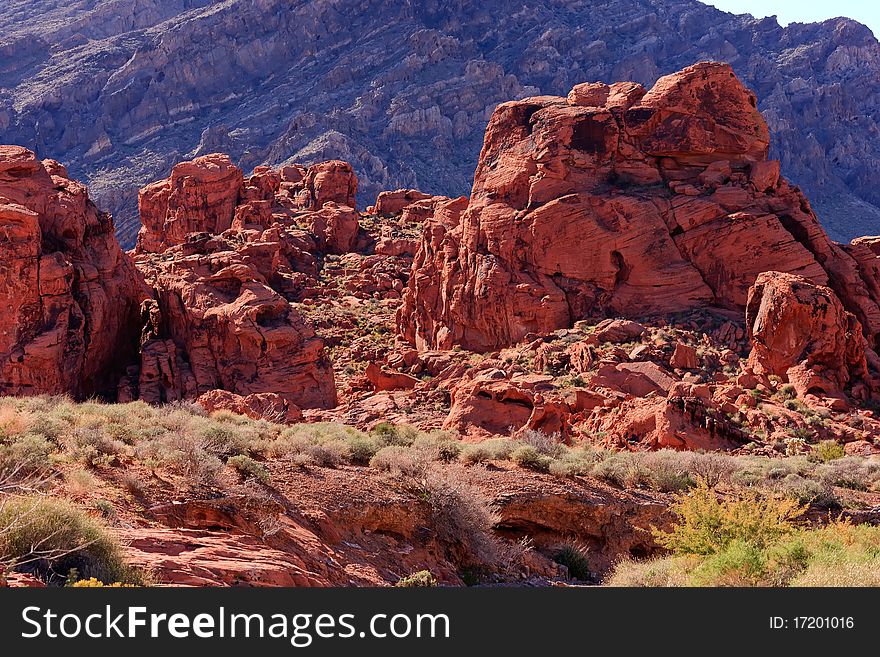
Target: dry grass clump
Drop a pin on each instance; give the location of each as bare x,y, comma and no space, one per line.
53,539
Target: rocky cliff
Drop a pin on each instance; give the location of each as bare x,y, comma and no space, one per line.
403,89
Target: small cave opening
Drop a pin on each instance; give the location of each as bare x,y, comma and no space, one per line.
588,135
623,269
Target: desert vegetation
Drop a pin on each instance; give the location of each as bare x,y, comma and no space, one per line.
746,539
61,461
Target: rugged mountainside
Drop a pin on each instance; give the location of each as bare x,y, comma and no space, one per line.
403,89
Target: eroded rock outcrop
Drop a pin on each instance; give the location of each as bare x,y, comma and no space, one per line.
201,195
621,201
801,332
69,295
225,256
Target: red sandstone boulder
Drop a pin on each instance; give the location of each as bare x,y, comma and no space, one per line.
69,295
335,227
622,202
684,357
390,203
801,332
383,380
263,405
492,404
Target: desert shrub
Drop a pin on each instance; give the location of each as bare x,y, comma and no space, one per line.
448,450
25,456
707,525
92,446
133,485
389,434
530,458
807,491
795,405
668,470
330,454
287,445
184,454
837,554
851,472
81,482
51,537
474,454
247,467
548,445
95,583
575,558
761,472
419,579
399,461
461,517
571,465
658,572
622,469
501,448
105,508
361,449
787,391
712,467
224,438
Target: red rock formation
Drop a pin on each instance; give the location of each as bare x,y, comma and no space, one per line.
382,379
493,404
335,227
222,325
624,202
801,332
69,295
225,256
333,181
201,195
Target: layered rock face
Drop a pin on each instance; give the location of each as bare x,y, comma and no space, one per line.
621,201
69,295
801,332
225,257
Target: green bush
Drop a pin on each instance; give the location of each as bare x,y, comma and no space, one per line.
389,434
474,454
25,456
419,579
707,525
399,461
829,450
448,451
361,449
247,467
52,537
530,458
575,558
788,391
837,554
